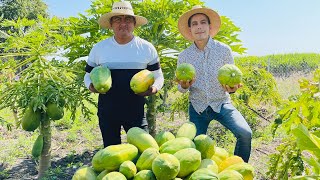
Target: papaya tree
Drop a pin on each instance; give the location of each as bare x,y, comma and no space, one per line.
14,10
298,118
47,86
161,31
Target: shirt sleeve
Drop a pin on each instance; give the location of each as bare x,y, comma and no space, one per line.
155,68
89,66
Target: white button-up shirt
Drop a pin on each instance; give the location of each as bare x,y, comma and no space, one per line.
206,90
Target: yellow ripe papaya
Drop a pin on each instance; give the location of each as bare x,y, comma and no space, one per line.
141,81
245,169
230,161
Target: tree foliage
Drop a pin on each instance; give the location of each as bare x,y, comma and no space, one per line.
298,117
19,9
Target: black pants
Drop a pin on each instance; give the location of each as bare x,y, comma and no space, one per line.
112,116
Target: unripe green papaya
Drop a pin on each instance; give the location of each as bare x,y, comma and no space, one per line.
31,119
54,111
187,130
101,79
146,159
185,72
37,146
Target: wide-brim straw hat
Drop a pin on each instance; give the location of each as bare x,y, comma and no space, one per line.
121,8
214,17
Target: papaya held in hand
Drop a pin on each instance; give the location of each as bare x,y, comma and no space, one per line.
101,79
141,81
185,72
229,74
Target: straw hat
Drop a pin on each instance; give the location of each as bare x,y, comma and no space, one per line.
214,17
121,8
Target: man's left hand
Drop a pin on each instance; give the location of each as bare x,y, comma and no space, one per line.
231,89
151,91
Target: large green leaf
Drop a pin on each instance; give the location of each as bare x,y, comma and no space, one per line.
306,140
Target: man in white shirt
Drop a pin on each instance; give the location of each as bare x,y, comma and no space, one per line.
125,55
208,98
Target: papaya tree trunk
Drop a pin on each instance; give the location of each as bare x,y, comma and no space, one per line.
151,114
165,96
45,130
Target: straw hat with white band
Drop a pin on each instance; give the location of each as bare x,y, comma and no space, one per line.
214,17
118,9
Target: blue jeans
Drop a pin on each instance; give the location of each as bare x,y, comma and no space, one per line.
229,117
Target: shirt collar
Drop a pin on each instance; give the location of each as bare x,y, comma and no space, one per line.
209,45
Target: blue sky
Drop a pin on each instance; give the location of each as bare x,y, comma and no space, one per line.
268,26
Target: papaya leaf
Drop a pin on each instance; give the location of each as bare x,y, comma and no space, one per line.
314,163
307,141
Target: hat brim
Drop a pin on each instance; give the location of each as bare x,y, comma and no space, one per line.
104,20
215,22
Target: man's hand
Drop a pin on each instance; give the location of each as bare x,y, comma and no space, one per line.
92,89
186,84
233,89
151,91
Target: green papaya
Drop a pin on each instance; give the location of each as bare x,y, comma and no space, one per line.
229,74
37,146
101,79
54,111
31,119
185,72
187,130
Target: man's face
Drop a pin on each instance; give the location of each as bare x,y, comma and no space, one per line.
199,27
122,26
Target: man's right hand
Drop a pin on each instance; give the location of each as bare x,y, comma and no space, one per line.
92,89
186,84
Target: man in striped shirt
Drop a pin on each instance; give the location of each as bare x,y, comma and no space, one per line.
125,55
